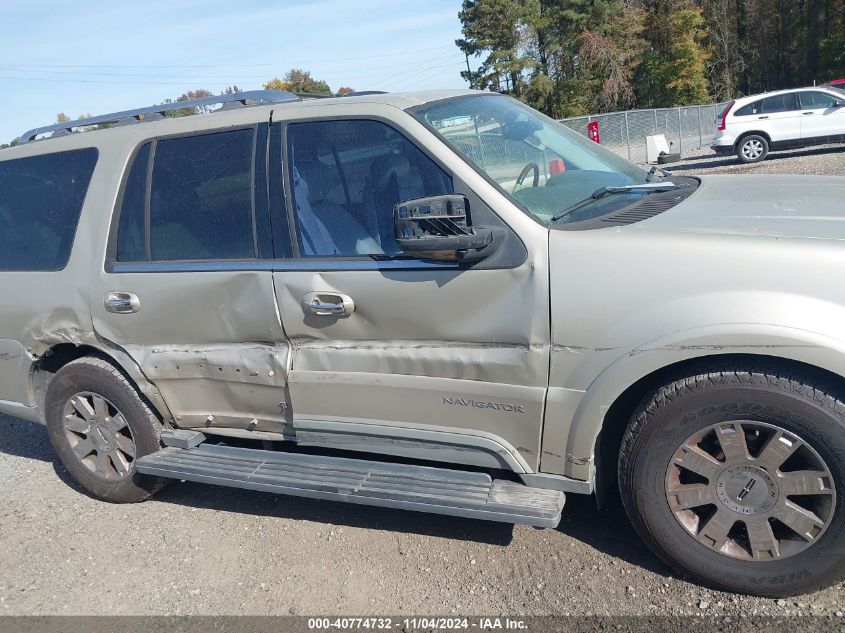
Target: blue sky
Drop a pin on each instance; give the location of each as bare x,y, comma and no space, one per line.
95,56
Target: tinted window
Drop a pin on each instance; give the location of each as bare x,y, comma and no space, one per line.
201,197
779,103
41,198
130,234
816,100
347,176
751,108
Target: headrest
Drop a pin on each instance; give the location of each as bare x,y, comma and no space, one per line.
385,168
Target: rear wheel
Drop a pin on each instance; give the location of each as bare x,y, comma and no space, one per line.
99,426
735,476
752,149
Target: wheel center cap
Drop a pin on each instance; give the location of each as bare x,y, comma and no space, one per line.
102,436
747,489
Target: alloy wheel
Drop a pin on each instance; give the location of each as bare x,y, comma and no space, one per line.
750,490
752,149
99,435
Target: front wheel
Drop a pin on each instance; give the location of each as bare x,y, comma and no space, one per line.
752,149
736,477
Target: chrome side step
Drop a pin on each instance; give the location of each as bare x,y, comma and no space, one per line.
420,488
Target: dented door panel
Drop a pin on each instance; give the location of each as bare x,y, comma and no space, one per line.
211,342
454,349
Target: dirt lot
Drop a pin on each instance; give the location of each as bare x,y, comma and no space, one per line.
198,549
824,160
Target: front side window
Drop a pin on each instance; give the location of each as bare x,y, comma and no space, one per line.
346,177
542,164
41,198
816,100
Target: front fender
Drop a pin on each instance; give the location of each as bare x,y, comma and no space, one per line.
588,418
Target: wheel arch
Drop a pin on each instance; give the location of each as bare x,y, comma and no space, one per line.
745,135
60,354
607,404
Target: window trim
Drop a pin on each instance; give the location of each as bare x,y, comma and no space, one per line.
277,145
111,264
78,217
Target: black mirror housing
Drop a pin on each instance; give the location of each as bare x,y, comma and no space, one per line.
440,227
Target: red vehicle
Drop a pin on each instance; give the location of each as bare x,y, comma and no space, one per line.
837,83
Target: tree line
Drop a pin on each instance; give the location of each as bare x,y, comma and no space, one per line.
295,80
584,56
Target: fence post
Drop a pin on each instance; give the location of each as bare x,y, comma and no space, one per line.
627,135
680,134
700,134
654,111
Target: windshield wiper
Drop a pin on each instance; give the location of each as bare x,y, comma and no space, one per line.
648,187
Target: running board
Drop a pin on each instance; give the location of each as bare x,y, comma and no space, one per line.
420,488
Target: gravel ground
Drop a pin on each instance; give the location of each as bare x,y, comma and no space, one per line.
824,160
197,549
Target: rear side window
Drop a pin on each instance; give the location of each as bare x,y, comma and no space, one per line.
41,199
779,103
130,241
190,198
770,105
201,198
751,108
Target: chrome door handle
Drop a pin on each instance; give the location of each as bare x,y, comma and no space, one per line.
327,303
122,302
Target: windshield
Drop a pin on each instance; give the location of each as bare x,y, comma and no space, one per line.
542,164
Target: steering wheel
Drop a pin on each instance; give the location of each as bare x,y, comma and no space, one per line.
535,181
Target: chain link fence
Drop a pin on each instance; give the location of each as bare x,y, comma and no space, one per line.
685,128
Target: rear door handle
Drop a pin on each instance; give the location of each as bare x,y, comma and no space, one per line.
762,117
122,302
327,303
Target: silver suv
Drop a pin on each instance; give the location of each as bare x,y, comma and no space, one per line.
443,302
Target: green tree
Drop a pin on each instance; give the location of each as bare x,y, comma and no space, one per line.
685,71
301,81
500,29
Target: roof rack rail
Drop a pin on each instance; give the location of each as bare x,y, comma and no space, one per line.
155,112
364,93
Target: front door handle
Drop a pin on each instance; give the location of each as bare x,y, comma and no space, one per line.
326,303
122,302
806,113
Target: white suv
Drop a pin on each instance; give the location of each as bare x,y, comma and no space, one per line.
751,126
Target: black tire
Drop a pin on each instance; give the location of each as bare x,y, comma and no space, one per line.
98,377
801,405
752,148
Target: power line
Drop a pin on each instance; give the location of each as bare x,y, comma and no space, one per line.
267,64
215,77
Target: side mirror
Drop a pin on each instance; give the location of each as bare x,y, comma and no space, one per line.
439,227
